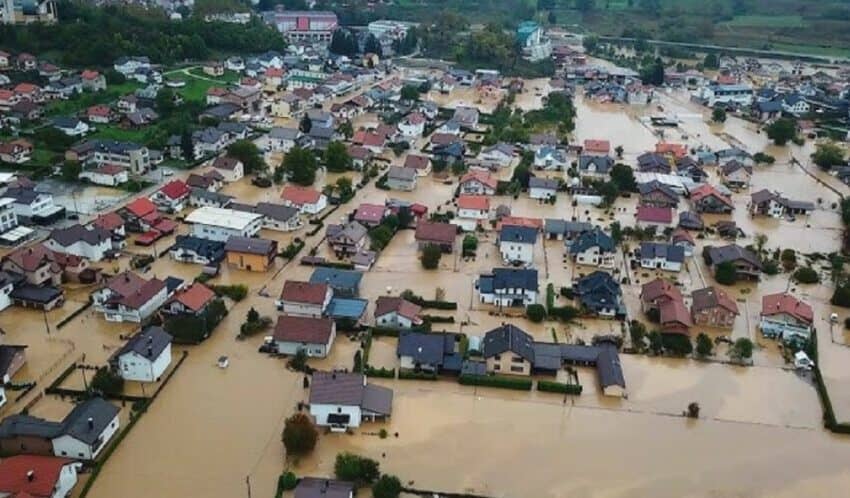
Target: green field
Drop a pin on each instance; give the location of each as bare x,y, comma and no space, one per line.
766,21
112,132
85,100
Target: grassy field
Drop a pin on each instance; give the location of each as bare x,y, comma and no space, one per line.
112,132
765,21
86,100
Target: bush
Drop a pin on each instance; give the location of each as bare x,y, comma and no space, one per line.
299,435
742,349
292,249
725,273
515,383
470,245
431,255
677,344
236,292
762,158
806,275
386,487
382,373
286,482
567,292
535,312
253,327
355,468
841,296
564,313
549,386
407,375
704,345
426,303
107,381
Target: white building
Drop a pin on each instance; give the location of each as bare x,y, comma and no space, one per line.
8,218
128,297
658,256
145,357
593,248
516,244
109,175
542,188
304,298
344,400
396,312
314,336
725,94
93,243
87,430
220,224
508,287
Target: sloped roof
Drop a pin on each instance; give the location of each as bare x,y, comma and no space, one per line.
506,338
304,292
302,329
786,303
149,343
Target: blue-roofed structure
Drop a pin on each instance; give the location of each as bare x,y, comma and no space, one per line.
345,283
346,308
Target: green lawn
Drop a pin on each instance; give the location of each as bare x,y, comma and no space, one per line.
112,132
228,77
86,100
766,21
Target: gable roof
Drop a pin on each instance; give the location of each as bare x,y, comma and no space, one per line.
668,252
514,233
350,389
732,252
785,303
175,189
401,306
654,214
443,233
141,206
89,419
481,177
474,202
337,279
195,297
425,347
506,338
250,245
711,297
300,195
705,190
302,329
659,288
304,292
592,238
14,472
149,343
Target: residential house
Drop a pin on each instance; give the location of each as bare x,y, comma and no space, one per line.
441,234
596,147
543,188
599,293
31,206
221,223
508,350
93,81
412,126
347,240
304,298
593,248
274,216
12,358
127,297
189,249
145,357
38,476
344,400
450,153
550,158
689,220
655,255
70,126
501,154
478,183
747,265
36,263
707,199
466,117
419,163
567,231
508,287
736,174
652,162
87,429
767,203
472,211
230,168
674,318
109,175
307,200
657,194
656,292
685,240
320,487
648,216
712,307
370,215
94,244
785,317
250,254
135,157
345,283
595,166
280,139
428,351
401,178
516,244
313,335
192,300
397,313
16,151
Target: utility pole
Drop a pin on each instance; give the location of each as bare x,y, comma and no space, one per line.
248,484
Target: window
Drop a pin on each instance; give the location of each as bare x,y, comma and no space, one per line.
497,357
517,369
497,367
517,359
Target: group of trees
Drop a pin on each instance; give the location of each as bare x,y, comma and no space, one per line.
90,35
431,255
299,166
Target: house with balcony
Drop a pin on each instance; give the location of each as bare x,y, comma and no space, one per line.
506,287
785,317
127,297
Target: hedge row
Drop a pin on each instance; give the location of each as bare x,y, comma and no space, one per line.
383,373
438,319
549,386
406,375
516,383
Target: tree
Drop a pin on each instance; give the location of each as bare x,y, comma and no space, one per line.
431,255
619,151
653,74
345,188
337,159
346,129
386,487
704,345
762,158
71,170
742,349
343,43
782,130
165,101
106,381
306,124
677,344
841,296
725,273
828,155
299,361
299,435
535,312
409,93
806,275
623,176
470,244
585,6
373,45
247,152
711,62
355,468
718,115
656,343
637,332
253,315
187,147
300,165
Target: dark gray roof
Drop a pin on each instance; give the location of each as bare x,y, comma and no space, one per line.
598,290
277,212
426,348
401,173
75,233
547,183
547,356
249,245
350,389
149,343
281,133
513,233
315,487
377,399
209,249
649,187
593,238
7,354
609,368
338,279
508,338
89,419
669,252
731,252
35,294
603,163
216,197
514,278
691,220
470,367
26,425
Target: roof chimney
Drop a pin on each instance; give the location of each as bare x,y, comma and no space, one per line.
150,351
91,423
30,475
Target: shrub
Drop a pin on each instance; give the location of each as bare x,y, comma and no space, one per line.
677,344
386,487
841,296
250,328
564,313
287,482
383,373
567,292
704,345
762,158
470,245
742,349
535,312
236,292
549,386
725,273
431,255
515,383
107,381
806,275
299,435
299,361
407,375
355,468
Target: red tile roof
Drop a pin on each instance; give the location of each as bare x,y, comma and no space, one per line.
370,213
141,207
99,110
45,469
109,221
520,221
659,288
175,189
388,304
416,161
195,297
89,74
678,150
25,88
368,138
478,202
783,302
706,190
654,214
304,292
674,316
300,195
603,146
482,177
443,233
303,329
31,258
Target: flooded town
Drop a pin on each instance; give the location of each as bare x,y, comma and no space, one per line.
312,273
